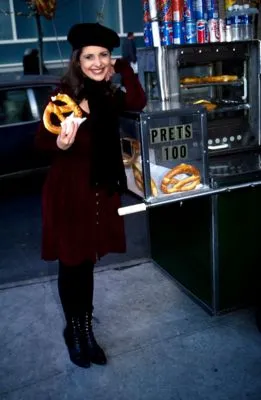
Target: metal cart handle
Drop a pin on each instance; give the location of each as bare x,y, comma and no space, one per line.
132,209
218,147
244,97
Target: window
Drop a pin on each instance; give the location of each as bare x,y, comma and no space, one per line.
14,106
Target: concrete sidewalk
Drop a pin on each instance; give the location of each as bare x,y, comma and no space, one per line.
159,343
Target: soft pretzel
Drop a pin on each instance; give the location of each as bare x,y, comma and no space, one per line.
59,110
206,104
128,160
136,168
189,80
220,78
180,185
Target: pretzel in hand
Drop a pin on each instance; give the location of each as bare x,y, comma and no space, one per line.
128,160
51,108
136,168
180,185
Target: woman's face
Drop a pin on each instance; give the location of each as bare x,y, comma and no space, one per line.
95,62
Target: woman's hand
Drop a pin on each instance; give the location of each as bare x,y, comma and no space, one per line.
68,133
111,71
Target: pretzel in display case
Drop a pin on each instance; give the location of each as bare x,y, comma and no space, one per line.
164,151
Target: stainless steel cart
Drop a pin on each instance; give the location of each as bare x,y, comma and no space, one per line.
206,238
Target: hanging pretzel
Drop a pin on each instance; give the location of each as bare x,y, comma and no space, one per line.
51,108
180,185
45,7
128,160
136,168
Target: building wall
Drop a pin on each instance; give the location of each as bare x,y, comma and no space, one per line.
19,32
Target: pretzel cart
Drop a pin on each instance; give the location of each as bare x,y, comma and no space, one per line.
207,235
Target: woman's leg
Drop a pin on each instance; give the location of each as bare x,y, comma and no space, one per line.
70,299
85,289
76,285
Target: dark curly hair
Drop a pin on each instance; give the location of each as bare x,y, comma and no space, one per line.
73,79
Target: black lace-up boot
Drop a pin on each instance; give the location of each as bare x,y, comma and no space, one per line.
69,292
73,339
93,351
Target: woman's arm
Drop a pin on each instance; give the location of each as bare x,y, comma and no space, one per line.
47,141
134,98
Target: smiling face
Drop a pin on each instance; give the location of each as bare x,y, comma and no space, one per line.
95,62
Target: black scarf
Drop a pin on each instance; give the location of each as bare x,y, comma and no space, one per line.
107,169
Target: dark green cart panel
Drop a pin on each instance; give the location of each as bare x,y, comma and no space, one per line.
181,243
211,246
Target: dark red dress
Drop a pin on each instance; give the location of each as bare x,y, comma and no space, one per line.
79,221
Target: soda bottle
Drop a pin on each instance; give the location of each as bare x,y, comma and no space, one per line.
235,24
247,24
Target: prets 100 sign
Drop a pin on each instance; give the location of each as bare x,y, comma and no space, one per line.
172,134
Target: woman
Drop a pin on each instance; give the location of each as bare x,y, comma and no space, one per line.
82,191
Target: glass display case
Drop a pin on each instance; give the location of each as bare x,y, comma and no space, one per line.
224,78
165,151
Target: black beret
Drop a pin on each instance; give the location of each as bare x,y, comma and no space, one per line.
92,34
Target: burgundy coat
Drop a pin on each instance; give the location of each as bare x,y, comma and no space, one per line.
80,222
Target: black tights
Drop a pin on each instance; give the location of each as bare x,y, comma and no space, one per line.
75,287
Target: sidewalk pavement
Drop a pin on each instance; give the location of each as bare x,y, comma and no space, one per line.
160,344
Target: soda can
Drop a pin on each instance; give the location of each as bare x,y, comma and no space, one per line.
212,9
177,10
190,32
199,9
202,31
146,11
178,32
213,27
164,8
188,11
166,33
222,30
148,38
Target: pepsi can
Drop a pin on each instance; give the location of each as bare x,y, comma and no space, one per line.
178,32
212,9
166,33
199,9
188,11
148,39
190,32
202,31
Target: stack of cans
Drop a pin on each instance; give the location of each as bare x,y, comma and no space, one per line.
165,15
148,39
213,21
186,21
178,22
190,21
